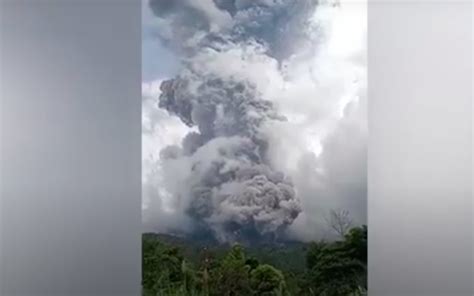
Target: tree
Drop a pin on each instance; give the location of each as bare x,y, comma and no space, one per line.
161,266
331,271
231,278
356,243
266,280
338,268
340,222
252,262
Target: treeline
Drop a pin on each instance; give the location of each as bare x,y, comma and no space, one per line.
329,269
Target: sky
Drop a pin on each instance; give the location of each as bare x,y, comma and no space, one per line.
158,62
321,90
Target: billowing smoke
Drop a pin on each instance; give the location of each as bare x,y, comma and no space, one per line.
229,186
256,109
190,26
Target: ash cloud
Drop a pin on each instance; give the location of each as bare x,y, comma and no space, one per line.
249,102
280,25
229,185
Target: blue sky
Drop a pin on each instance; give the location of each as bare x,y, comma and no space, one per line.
158,62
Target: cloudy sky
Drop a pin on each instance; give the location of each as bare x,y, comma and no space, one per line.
318,85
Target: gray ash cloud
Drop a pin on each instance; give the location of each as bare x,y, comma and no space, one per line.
189,25
231,188
228,186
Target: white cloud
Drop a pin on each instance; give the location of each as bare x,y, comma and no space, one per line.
159,130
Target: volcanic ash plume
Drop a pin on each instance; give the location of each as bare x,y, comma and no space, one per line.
220,176
230,188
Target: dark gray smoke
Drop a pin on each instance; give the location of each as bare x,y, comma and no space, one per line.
190,25
232,190
228,186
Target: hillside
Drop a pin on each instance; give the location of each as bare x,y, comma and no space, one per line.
175,265
288,255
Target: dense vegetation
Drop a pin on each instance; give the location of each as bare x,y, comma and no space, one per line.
174,266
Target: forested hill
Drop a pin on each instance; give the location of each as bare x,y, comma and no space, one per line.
173,265
288,255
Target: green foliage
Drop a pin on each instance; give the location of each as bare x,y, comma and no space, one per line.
161,266
335,275
252,263
266,280
231,277
356,243
338,268
318,269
